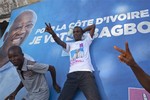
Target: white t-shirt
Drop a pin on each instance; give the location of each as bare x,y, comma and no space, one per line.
80,59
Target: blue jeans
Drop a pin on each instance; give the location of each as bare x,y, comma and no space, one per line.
83,80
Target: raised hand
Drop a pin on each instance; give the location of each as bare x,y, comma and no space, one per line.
49,29
126,55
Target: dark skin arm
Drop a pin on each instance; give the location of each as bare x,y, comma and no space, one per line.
90,28
53,74
13,94
55,37
127,58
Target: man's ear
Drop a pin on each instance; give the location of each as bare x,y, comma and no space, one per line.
5,36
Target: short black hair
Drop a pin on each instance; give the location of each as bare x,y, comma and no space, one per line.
18,48
79,28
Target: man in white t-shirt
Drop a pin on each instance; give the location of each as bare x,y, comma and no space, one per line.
80,74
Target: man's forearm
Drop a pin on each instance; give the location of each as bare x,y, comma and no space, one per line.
58,40
89,28
18,88
142,77
53,73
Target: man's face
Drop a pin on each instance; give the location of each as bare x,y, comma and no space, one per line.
77,33
21,27
16,58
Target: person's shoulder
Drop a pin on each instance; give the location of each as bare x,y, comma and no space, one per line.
30,62
85,36
28,57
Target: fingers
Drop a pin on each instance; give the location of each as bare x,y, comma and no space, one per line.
127,47
10,98
7,98
57,88
118,49
48,25
123,55
122,58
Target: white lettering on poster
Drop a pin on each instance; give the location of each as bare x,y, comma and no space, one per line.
103,30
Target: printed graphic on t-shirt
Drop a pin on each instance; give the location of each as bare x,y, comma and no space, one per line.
76,54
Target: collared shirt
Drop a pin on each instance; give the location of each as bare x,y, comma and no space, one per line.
9,79
33,79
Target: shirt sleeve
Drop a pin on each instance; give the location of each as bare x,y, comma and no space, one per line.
38,67
88,38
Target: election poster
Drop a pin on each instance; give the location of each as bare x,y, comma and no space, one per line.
116,21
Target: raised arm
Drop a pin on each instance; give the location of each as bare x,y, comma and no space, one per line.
53,74
55,37
127,58
13,94
90,28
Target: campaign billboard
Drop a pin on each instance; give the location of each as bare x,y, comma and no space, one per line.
116,22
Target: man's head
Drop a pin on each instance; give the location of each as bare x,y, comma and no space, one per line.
16,56
77,33
21,27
